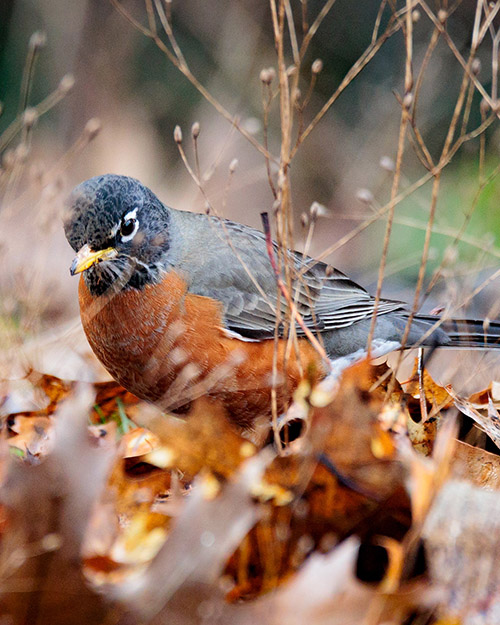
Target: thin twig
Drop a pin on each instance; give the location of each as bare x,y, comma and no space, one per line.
405,115
378,20
296,316
37,40
314,27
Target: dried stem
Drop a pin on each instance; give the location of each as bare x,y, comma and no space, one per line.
405,115
296,316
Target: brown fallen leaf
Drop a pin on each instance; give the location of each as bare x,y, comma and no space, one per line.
138,442
203,440
34,435
476,466
436,396
125,530
482,398
422,434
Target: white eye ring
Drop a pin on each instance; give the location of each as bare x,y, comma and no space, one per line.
128,220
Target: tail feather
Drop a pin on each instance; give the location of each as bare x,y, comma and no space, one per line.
468,333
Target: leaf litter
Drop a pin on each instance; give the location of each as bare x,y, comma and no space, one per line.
141,514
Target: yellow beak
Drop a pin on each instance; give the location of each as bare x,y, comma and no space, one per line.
86,258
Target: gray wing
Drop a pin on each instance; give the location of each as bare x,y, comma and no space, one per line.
231,264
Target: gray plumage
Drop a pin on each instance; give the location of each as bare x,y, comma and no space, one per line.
229,262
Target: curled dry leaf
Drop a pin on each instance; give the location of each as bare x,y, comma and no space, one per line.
138,442
423,428
422,434
125,531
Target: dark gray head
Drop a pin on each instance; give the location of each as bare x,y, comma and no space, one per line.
120,231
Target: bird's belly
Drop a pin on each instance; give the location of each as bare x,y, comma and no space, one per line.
167,346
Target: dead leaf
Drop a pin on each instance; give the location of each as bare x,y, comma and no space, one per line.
138,442
436,396
476,466
482,398
34,435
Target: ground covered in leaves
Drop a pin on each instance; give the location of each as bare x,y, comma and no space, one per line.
382,509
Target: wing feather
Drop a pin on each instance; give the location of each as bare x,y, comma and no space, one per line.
239,274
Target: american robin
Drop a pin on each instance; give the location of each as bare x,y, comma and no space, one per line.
177,305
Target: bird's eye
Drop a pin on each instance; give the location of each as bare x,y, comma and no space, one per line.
127,227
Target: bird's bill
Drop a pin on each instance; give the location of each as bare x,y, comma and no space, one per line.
86,258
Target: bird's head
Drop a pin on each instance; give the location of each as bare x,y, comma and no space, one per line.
120,232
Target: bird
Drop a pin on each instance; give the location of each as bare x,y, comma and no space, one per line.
178,305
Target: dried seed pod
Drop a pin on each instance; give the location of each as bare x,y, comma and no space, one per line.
365,196
316,210
8,159
178,134
30,116
484,107
317,66
408,100
37,40
387,163
21,152
67,83
92,128
267,75
195,130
